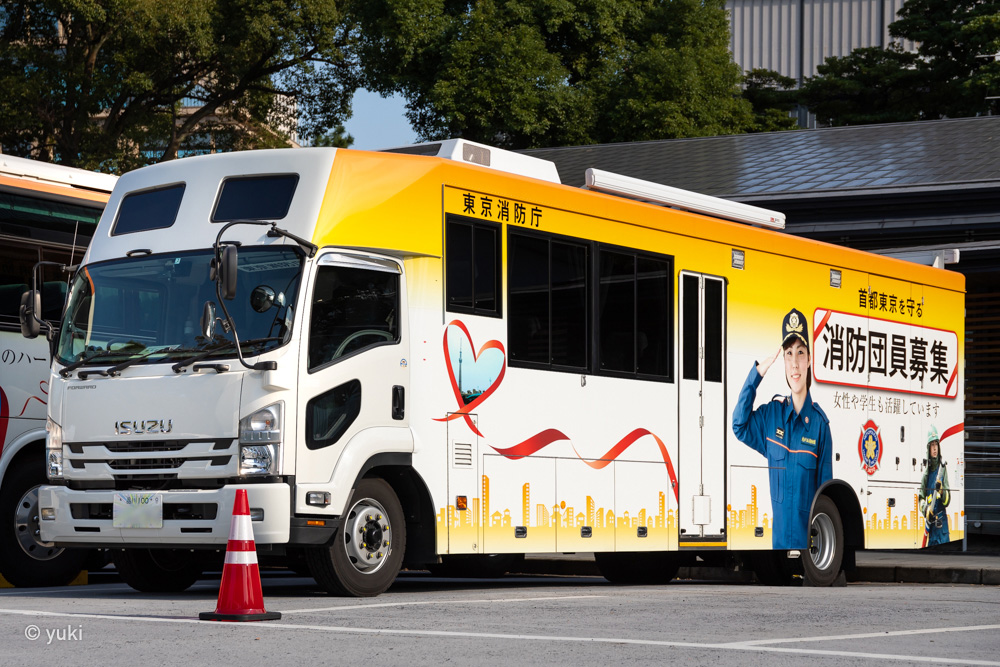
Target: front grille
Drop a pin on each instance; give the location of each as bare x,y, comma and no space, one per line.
158,464
133,446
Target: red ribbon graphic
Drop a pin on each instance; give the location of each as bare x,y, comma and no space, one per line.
957,428
42,386
541,440
463,409
4,417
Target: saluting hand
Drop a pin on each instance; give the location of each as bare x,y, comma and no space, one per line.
762,367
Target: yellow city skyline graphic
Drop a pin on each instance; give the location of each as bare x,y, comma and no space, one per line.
742,525
901,529
543,520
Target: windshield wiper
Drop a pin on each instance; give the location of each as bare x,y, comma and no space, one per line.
181,365
117,369
97,354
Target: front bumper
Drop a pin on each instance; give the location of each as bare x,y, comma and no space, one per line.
83,518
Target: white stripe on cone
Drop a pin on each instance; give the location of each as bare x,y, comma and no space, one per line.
241,528
241,557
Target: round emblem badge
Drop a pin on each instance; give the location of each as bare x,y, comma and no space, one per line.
793,320
870,447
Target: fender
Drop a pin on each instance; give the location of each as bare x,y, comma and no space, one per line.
357,453
20,443
846,499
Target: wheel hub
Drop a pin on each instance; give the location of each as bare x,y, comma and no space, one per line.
367,536
28,529
823,545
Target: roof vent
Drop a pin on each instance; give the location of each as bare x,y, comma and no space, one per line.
476,154
462,150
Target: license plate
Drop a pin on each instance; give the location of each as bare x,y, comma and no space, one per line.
137,509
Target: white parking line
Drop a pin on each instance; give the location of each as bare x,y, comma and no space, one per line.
867,635
375,605
745,647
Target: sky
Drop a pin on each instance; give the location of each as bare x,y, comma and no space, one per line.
378,122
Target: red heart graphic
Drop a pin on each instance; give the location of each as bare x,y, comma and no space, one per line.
465,408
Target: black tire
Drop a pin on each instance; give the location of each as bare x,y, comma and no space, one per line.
24,560
821,564
638,567
773,568
158,570
367,549
473,566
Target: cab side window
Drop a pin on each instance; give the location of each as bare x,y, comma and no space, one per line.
353,309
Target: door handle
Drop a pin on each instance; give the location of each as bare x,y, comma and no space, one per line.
398,402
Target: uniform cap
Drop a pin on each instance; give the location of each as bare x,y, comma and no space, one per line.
794,326
932,436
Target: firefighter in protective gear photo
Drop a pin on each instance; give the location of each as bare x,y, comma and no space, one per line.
792,432
934,493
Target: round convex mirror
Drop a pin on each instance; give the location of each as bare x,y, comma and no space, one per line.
262,298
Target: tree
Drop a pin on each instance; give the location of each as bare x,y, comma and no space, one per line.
946,76
523,73
950,37
773,99
869,85
114,84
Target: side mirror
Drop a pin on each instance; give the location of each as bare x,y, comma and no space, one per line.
31,307
227,272
208,321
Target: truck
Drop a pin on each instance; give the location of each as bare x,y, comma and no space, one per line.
442,356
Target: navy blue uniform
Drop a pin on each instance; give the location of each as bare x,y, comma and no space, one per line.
797,447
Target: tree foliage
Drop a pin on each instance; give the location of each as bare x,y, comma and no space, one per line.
114,84
947,76
525,73
773,98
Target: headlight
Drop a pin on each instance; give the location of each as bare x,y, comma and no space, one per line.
260,441
53,451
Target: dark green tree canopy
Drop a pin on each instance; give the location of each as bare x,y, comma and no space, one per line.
524,73
114,84
952,74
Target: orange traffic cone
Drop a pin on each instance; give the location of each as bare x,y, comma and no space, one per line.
240,596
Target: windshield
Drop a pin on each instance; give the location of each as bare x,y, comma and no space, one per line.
151,307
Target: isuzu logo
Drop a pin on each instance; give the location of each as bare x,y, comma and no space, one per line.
144,426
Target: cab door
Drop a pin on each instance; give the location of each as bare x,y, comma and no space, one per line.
354,374
702,418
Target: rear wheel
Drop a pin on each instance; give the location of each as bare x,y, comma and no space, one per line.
822,564
158,570
25,560
368,548
638,567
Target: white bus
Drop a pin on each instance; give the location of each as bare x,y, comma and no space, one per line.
47,214
441,354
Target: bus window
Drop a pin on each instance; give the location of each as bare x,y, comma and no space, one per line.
635,314
547,322
473,267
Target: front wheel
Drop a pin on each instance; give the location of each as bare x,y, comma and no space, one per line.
367,549
822,564
158,570
26,561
